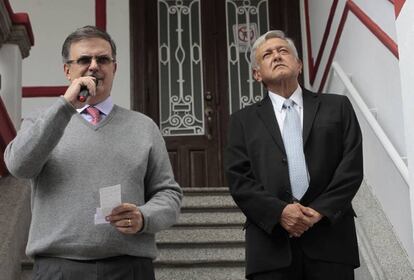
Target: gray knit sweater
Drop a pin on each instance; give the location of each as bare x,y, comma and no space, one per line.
68,160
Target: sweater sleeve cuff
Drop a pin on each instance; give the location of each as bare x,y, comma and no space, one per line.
69,108
145,221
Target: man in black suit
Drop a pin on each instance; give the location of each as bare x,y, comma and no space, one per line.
300,221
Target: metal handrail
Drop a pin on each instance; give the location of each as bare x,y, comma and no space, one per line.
379,132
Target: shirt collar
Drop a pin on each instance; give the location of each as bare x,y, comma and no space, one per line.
278,100
104,107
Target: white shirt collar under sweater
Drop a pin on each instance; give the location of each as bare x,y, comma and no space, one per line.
105,107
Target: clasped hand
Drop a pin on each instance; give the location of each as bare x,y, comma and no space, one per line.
296,219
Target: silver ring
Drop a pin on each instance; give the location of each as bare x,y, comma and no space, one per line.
129,222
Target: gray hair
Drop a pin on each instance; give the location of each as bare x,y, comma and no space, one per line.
86,32
269,35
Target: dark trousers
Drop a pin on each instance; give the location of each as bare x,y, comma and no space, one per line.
115,268
304,268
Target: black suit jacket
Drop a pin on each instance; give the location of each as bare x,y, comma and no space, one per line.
257,173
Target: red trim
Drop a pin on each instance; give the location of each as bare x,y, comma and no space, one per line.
49,91
3,168
312,72
374,28
100,14
398,6
7,133
334,47
20,19
315,67
369,23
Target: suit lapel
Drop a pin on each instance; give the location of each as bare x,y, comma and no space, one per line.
310,107
267,115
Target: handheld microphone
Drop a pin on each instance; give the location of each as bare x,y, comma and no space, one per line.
84,92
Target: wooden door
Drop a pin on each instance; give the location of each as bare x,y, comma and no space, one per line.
190,70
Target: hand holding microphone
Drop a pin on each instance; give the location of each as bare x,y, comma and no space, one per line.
80,89
84,92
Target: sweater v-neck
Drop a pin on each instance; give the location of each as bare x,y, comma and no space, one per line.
102,122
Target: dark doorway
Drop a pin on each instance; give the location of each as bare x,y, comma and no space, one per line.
190,70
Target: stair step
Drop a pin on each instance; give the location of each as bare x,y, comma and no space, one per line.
212,255
27,268
210,201
26,274
186,273
189,236
200,273
205,191
217,218
209,256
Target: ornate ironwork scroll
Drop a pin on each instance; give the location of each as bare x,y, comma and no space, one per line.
180,68
246,21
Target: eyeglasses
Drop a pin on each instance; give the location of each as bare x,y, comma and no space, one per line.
86,60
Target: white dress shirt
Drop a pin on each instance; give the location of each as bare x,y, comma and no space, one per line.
277,102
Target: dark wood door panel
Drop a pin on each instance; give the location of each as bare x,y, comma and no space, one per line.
194,165
196,160
198,168
175,162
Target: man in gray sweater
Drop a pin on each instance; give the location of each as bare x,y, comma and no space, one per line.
75,149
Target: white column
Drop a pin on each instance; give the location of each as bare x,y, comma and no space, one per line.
11,81
405,34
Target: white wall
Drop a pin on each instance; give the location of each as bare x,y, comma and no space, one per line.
52,21
118,28
317,26
382,13
11,75
380,173
375,72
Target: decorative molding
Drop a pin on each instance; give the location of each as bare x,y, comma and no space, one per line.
15,28
19,36
5,23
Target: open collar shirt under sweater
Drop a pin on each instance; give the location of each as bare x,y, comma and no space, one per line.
104,107
68,160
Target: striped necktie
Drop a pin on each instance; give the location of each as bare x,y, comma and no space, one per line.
95,114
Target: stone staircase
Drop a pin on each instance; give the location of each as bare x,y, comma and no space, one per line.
208,241
14,224
206,244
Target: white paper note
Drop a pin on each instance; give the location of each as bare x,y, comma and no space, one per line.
99,217
110,197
